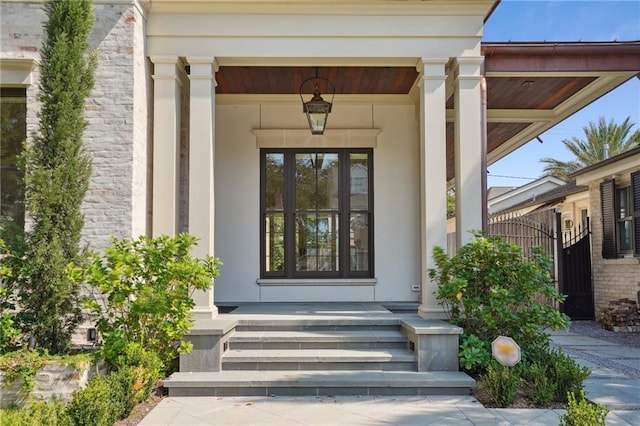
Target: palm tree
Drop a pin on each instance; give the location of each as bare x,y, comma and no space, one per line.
618,138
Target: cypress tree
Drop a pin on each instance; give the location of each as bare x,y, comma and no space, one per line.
57,172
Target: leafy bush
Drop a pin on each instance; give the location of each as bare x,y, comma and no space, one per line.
145,367
144,293
489,289
541,387
474,353
581,412
564,372
501,383
50,413
100,403
10,330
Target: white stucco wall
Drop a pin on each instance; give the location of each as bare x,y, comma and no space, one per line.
396,209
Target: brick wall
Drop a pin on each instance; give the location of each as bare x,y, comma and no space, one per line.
118,131
612,278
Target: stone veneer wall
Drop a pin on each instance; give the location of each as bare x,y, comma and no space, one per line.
51,380
118,131
613,279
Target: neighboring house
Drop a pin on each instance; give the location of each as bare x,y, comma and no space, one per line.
571,200
614,203
195,124
525,193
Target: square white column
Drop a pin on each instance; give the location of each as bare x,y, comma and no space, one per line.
201,169
166,144
433,176
468,147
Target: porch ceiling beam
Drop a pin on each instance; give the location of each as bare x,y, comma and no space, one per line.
229,61
562,57
514,115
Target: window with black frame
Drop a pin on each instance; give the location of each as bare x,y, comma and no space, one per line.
13,119
620,206
317,210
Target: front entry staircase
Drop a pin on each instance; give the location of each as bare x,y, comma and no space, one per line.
320,349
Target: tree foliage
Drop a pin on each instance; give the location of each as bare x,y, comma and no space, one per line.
57,171
591,149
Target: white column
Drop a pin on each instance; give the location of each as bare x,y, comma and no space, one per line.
468,147
166,144
201,169
433,176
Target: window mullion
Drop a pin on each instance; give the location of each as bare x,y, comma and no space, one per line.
289,216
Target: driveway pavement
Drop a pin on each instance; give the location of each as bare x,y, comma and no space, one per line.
615,382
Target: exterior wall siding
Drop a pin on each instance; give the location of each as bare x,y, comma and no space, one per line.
396,202
612,278
117,131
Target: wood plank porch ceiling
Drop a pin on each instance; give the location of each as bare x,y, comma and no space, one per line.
524,80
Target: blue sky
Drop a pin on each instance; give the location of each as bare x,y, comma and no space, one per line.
565,20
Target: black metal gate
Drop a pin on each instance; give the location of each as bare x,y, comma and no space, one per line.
576,281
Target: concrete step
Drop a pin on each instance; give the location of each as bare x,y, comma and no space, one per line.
318,383
319,339
319,359
318,323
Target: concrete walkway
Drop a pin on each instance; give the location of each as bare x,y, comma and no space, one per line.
615,381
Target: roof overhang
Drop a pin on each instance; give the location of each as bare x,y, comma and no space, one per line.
540,84
622,163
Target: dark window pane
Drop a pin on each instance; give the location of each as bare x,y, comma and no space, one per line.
316,242
274,238
624,235
274,185
359,181
622,196
359,242
327,186
305,181
316,181
13,113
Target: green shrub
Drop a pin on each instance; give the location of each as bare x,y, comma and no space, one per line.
100,403
489,289
10,329
144,291
540,386
565,373
145,366
474,353
581,412
50,413
501,383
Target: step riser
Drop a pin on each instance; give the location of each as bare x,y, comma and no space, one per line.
316,366
318,345
317,327
317,391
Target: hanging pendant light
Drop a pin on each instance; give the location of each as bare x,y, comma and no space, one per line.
317,109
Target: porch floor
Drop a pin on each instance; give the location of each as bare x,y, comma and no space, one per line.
334,311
